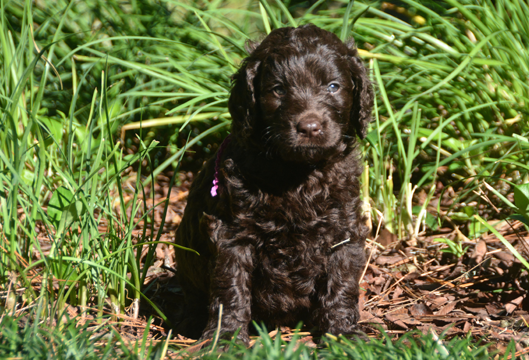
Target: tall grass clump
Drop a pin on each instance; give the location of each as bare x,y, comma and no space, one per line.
60,166
469,80
451,79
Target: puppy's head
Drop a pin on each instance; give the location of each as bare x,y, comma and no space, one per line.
302,94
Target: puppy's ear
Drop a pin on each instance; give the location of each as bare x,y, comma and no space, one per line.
363,94
242,102
250,46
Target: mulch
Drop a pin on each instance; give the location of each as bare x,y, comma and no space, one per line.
409,284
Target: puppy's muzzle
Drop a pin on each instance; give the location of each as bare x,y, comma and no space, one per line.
310,127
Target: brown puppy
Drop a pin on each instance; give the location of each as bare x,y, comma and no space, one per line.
275,215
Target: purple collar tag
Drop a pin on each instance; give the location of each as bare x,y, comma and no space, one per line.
222,147
214,187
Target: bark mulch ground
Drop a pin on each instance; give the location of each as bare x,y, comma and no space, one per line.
408,284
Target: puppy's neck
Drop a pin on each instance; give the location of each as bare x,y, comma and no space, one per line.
273,174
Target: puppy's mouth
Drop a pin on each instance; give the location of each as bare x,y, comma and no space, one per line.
298,148
305,138
307,153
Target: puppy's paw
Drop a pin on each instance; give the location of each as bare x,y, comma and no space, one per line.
241,336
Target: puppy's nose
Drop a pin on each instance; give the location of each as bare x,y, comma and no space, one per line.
309,127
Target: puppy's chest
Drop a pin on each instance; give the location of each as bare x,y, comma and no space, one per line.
291,257
295,234
291,216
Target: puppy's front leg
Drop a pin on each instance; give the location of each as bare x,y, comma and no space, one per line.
231,287
339,290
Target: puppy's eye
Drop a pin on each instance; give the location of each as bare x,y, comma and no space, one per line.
332,88
279,91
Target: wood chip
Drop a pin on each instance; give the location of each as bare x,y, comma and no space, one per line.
420,310
385,238
447,309
511,306
492,309
479,252
389,260
466,327
397,292
397,320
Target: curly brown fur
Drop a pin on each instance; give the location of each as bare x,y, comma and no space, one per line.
288,192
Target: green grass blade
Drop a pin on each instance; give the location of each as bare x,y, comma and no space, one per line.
503,240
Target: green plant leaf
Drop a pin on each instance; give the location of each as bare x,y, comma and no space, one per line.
63,208
459,216
521,218
504,241
475,229
60,200
454,247
430,220
63,270
521,199
372,139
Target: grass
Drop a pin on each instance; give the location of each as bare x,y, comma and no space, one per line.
89,341
451,82
35,340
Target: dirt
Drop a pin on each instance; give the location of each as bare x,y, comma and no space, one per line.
408,284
